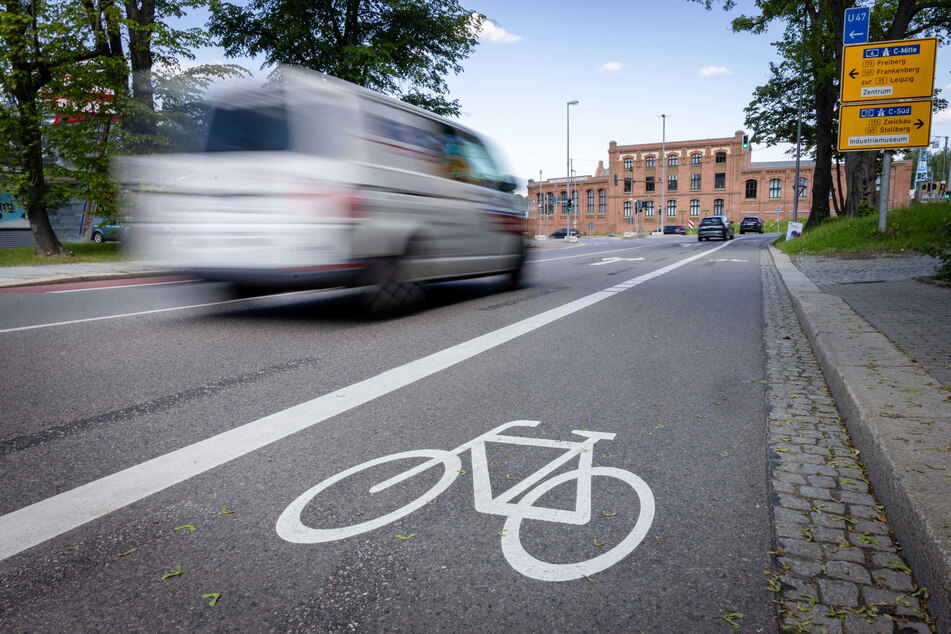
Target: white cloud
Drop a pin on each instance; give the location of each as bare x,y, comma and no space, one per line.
710,71
611,66
942,117
492,32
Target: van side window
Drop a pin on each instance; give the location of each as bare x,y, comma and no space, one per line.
263,128
469,161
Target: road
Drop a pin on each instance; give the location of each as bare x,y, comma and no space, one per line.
157,429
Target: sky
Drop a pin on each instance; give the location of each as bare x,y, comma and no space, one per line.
627,62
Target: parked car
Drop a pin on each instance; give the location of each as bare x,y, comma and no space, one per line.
109,231
715,227
674,229
561,233
751,224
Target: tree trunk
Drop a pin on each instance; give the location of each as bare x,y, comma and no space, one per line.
142,119
860,175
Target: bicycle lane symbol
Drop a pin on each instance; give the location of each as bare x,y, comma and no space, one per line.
291,528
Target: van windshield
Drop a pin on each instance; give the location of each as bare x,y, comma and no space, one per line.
263,128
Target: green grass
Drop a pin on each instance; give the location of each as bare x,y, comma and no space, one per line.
908,230
83,252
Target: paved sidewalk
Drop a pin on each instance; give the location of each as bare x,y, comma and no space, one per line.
857,315
11,276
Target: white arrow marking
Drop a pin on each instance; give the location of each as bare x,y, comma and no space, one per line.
729,260
613,260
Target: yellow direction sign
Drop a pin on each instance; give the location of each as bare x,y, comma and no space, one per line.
889,125
888,70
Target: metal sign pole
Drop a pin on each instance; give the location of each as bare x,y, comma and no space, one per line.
883,191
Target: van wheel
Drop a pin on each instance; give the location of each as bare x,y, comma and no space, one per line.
514,277
388,294
98,237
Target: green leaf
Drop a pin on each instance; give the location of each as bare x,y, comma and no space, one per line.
606,514
732,619
127,553
225,511
405,537
598,543
189,527
178,570
214,596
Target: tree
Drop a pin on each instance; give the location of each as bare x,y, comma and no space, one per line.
40,40
67,57
404,49
819,24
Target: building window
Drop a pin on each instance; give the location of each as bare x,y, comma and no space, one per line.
673,160
649,184
627,184
720,158
590,202
696,159
718,207
719,180
562,201
803,184
549,203
539,204
671,207
751,189
574,202
649,208
695,182
671,182
627,209
775,188
694,207
650,161
628,163
602,202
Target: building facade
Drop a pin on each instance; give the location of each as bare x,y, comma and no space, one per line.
678,183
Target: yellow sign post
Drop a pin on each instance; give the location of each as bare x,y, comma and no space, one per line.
888,125
888,70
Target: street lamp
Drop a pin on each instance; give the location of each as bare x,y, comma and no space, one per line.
663,168
568,160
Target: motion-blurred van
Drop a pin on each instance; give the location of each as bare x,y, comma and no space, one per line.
313,182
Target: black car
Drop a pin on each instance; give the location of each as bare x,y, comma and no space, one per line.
715,227
674,229
561,233
751,224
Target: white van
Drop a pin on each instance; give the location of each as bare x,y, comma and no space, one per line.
315,182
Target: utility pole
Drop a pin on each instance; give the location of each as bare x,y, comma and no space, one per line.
568,161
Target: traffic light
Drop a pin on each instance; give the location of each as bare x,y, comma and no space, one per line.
568,205
746,141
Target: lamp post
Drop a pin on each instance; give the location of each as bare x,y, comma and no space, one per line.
663,168
568,160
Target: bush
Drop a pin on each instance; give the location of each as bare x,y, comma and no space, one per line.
941,249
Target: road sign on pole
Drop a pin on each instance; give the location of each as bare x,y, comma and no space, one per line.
856,25
888,125
888,70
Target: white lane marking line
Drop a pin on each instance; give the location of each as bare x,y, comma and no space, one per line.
144,312
38,522
109,288
588,255
613,260
726,260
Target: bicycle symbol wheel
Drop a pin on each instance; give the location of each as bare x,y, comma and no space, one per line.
529,566
290,527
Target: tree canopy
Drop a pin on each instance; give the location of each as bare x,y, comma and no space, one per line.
404,49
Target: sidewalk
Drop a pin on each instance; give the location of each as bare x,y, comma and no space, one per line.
883,340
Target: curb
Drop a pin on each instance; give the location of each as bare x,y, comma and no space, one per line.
899,421
85,277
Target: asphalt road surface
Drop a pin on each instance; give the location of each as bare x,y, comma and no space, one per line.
174,459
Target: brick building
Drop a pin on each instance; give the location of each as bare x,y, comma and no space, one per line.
685,182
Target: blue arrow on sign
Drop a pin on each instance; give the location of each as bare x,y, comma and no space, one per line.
856,25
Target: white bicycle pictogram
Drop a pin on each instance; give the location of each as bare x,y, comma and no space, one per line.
291,528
